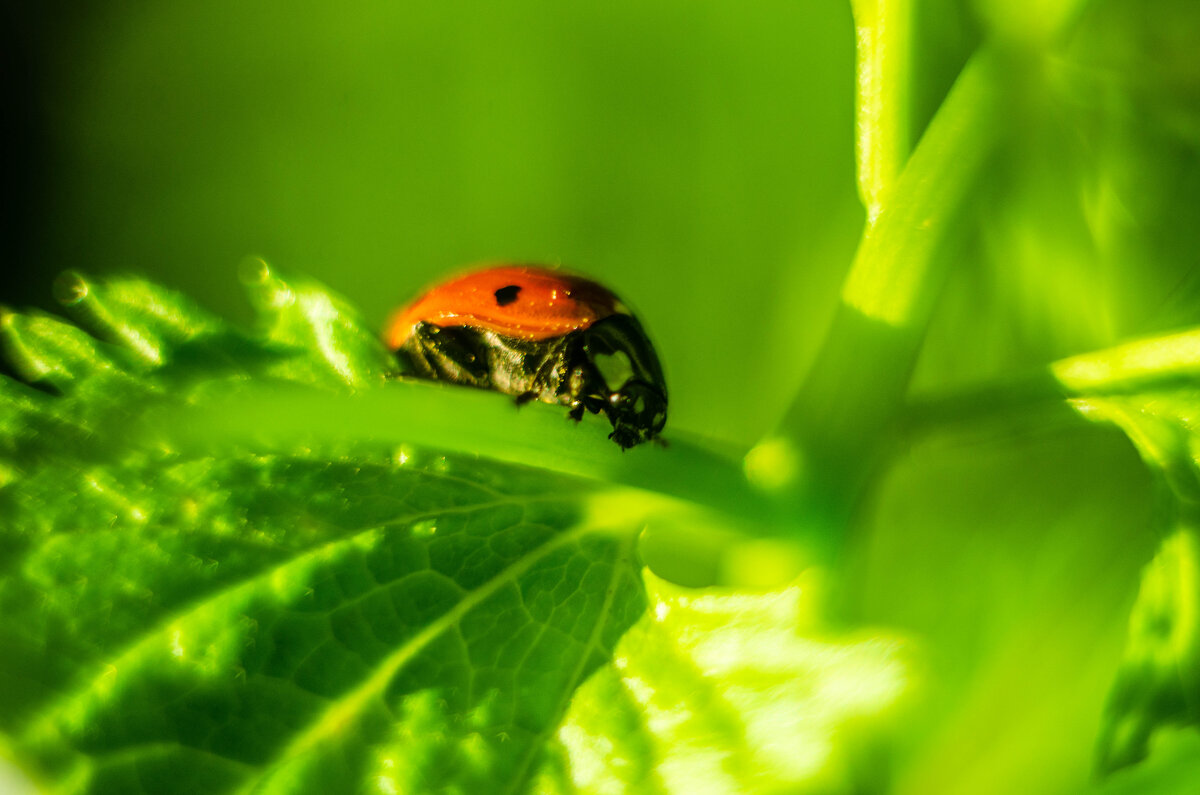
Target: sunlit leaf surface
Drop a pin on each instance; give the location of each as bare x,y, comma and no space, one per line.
722,692
314,620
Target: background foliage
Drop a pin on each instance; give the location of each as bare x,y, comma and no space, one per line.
698,158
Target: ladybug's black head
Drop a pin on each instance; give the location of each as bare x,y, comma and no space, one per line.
629,387
637,411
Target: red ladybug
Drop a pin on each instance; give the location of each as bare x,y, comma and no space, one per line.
538,334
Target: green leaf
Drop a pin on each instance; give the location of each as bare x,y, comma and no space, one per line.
1158,684
303,619
1146,388
1172,769
735,691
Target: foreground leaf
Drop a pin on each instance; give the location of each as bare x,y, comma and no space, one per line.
734,692
303,620
1158,685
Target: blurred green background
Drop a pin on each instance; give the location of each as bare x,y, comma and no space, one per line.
695,156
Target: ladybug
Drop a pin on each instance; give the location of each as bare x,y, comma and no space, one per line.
537,334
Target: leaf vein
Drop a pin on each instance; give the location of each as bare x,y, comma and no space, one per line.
232,592
345,708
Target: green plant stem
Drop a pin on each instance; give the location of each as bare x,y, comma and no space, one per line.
856,387
417,418
883,30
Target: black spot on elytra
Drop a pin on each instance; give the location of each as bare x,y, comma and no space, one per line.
506,295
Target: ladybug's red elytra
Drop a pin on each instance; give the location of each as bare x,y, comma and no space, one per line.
541,334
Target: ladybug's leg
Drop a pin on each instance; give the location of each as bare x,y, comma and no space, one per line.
579,384
453,354
586,386
577,391
594,404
